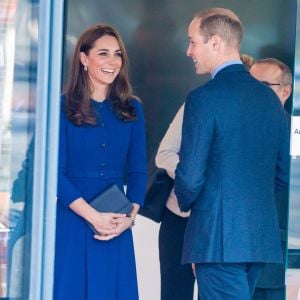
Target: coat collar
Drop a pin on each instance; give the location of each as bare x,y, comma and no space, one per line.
232,68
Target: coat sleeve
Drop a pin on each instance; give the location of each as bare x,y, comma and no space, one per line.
197,137
66,191
167,156
136,159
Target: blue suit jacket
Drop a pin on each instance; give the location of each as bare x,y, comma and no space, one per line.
234,155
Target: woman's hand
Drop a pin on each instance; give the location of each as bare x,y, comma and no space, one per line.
106,223
121,224
109,225
103,222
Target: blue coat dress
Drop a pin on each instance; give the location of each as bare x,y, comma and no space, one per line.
91,158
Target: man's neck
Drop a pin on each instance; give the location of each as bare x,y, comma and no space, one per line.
225,63
231,56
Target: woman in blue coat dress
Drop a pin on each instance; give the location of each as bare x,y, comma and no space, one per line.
102,140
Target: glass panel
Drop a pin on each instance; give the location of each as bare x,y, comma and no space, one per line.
155,35
18,64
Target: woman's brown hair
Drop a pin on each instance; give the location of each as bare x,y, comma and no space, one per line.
78,92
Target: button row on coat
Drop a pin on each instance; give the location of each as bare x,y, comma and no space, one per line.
102,165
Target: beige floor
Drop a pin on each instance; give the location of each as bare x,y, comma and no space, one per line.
146,248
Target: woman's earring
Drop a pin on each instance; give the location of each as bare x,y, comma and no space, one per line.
85,68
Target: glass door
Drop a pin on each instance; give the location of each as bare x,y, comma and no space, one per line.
30,72
155,36
18,66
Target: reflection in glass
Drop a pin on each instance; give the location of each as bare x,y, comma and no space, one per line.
18,57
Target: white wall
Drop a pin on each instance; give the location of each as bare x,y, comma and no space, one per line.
145,235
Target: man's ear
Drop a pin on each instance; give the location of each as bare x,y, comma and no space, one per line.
216,41
286,92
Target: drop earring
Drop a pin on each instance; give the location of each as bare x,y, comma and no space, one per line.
85,68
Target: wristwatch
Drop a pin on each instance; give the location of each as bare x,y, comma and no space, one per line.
132,219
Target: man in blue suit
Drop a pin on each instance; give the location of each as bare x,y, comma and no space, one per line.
234,155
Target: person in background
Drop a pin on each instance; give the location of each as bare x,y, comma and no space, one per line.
232,157
278,76
102,137
275,74
247,60
177,280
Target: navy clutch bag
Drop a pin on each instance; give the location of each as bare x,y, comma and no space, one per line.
111,200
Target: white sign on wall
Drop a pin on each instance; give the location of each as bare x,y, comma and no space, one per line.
295,136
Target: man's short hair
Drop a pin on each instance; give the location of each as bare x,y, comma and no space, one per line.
222,22
286,74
